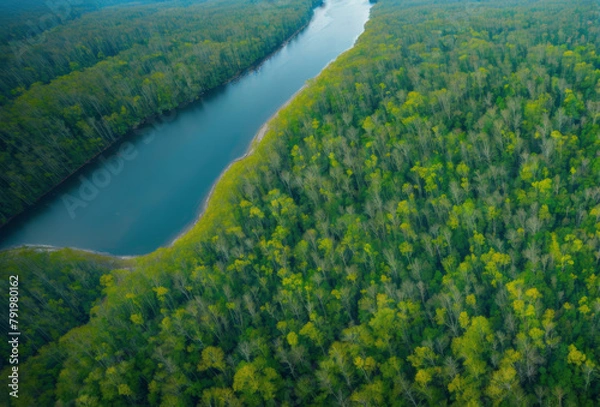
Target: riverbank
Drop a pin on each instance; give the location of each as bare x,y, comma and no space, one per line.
30,202
164,190
251,148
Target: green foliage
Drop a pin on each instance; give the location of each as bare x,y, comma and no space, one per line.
419,227
56,291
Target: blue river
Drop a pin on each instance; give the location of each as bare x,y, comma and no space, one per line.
148,188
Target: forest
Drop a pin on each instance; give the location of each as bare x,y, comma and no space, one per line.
56,295
21,21
81,86
420,226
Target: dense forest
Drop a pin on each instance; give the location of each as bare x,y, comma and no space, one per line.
420,226
56,294
80,87
25,21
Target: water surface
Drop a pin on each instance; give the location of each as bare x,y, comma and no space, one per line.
148,188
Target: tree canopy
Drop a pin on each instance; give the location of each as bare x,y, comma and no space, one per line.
420,226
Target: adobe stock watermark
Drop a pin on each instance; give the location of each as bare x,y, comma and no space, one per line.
91,186
14,333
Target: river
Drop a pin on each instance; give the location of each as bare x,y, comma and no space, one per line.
148,188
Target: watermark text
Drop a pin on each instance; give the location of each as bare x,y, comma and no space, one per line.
13,334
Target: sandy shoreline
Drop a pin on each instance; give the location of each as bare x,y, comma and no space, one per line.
253,143
50,248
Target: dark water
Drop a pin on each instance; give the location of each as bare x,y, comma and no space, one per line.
150,187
